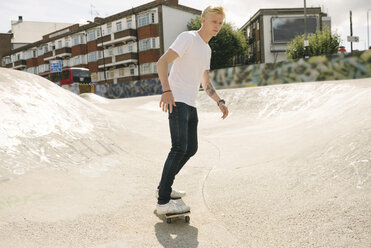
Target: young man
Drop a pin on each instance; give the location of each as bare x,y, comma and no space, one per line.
191,55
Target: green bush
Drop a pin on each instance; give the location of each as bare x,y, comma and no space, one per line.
320,43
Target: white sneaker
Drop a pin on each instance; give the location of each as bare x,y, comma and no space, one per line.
172,207
175,194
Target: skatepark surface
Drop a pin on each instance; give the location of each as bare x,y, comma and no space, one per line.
289,167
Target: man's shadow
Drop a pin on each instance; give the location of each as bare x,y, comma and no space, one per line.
176,234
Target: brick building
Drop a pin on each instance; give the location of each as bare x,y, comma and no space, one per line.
119,48
5,44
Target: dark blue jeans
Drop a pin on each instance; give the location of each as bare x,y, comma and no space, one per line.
183,129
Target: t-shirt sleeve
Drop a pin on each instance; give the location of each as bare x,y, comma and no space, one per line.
208,60
181,44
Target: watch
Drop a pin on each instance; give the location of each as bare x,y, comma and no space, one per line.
221,100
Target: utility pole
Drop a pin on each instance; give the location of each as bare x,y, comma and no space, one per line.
306,42
351,32
368,32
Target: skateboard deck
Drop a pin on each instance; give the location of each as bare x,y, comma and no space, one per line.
185,215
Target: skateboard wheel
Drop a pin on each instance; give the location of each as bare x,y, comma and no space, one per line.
187,219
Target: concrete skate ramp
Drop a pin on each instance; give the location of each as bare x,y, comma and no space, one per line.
290,167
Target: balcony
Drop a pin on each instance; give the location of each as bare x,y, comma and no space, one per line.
10,65
120,37
106,61
49,55
123,59
104,39
126,56
63,52
20,64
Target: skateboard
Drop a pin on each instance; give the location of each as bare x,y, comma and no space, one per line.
185,215
169,217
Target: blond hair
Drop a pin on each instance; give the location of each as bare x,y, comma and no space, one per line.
213,10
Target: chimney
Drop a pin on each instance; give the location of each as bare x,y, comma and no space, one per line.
98,19
20,19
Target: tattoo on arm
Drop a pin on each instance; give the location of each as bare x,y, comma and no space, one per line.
210,89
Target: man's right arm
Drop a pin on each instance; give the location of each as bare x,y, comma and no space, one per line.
167,99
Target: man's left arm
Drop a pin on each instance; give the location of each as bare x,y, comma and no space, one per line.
211,92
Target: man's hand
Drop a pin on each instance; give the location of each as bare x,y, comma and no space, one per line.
167,98
224,110
167,101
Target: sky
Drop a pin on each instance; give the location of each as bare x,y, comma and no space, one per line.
238,12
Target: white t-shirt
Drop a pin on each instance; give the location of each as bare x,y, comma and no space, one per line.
187,70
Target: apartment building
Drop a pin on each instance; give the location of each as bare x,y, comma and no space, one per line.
270,30
119,48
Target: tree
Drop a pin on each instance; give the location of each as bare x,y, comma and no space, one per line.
320,43
228,44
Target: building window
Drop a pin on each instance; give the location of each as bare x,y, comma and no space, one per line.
40,51
122,72
146,44
110,51
131,47
45,49
92,56
146,19
29,54
118,26
59,44
109,28
6,61
31,70
67,42
110,74
94,77
120,50
148,68
41,68
76,40
91,35
77,60
132,71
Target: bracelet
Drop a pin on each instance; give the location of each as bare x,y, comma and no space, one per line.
221,100
166,91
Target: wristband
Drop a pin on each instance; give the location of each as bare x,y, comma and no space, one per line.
166,91
221,100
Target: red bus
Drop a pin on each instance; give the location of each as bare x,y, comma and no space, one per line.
69,76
